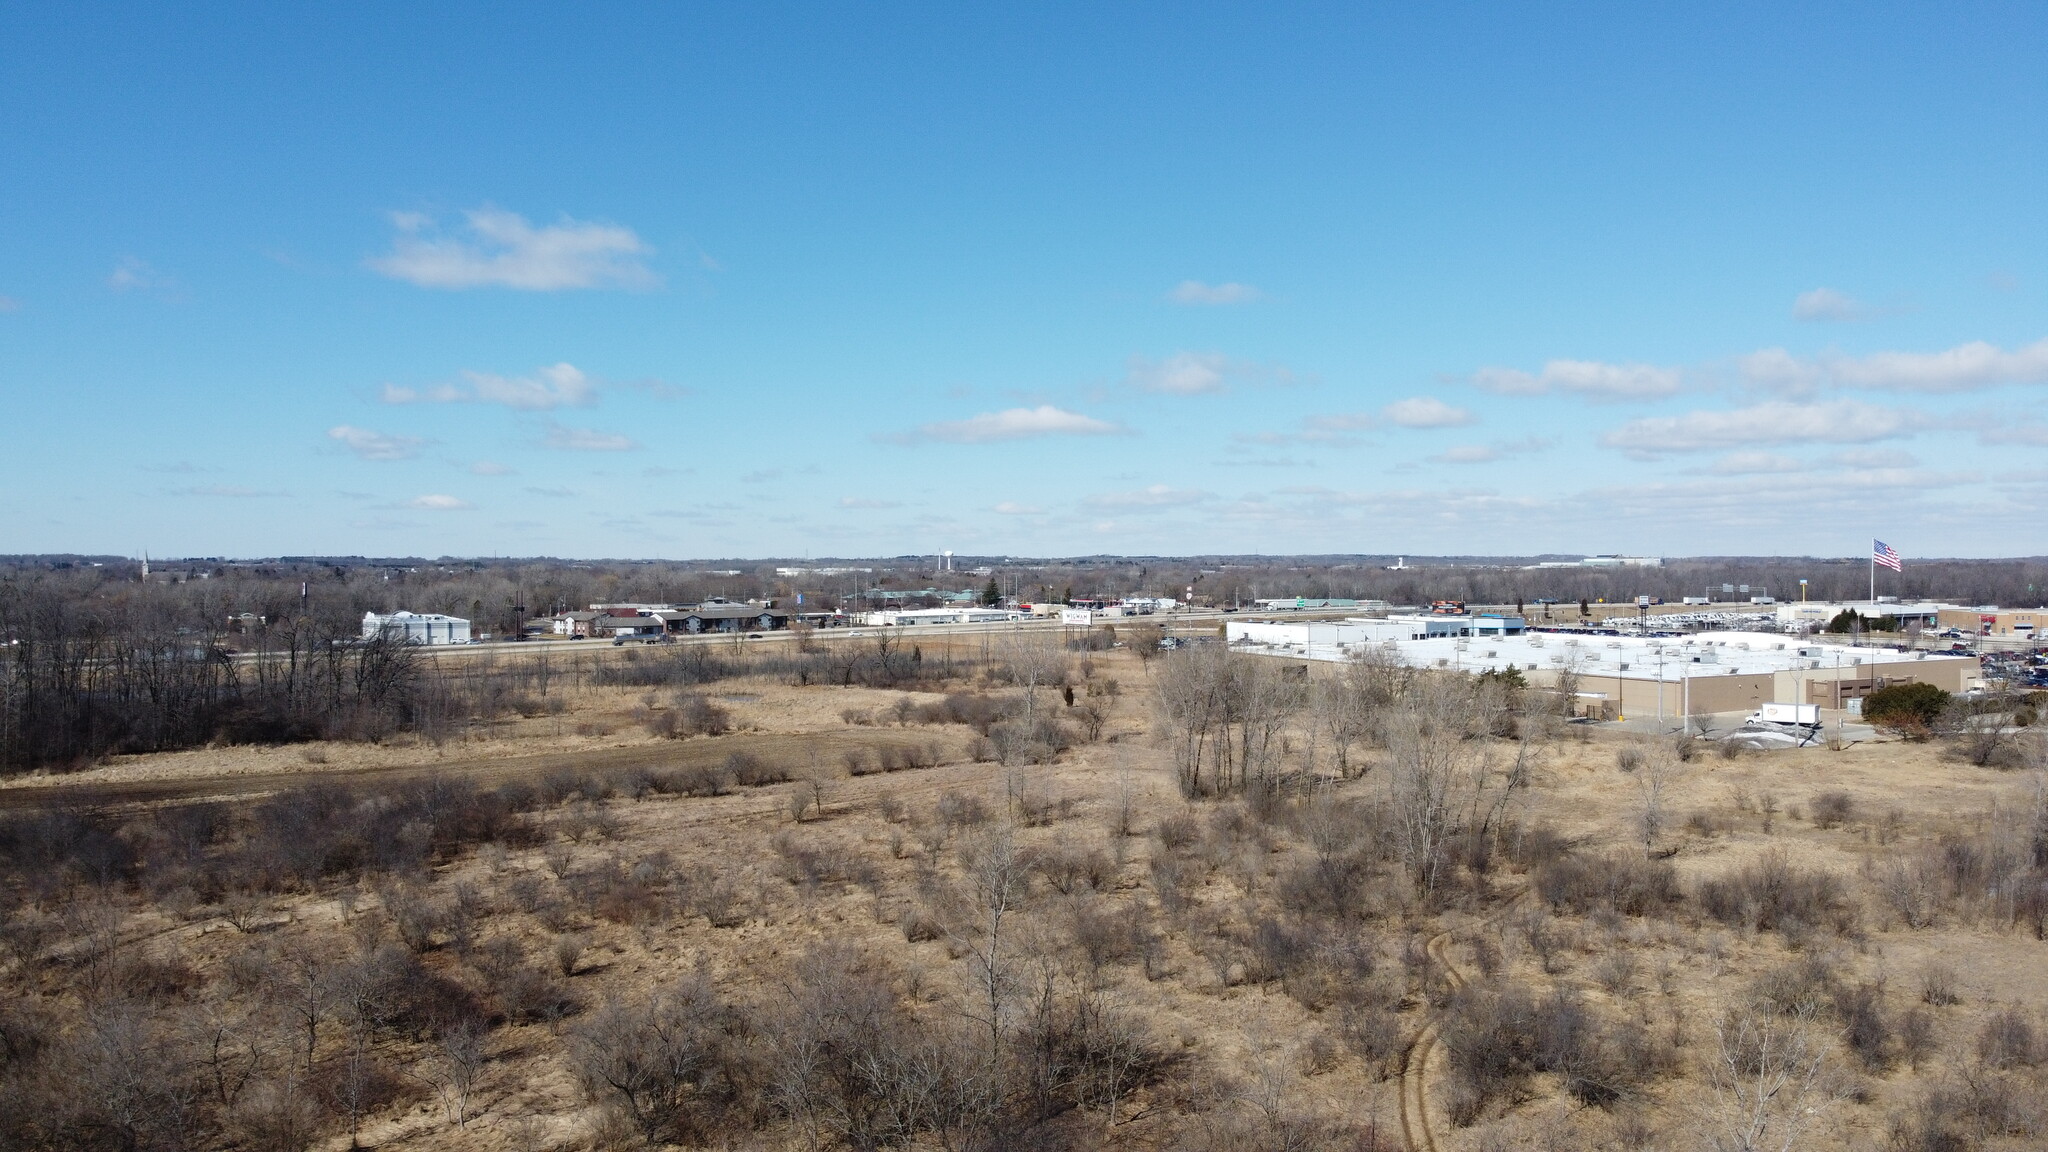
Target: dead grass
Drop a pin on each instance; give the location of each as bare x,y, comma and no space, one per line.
1271,950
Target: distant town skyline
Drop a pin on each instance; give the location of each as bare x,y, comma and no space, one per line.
1054,282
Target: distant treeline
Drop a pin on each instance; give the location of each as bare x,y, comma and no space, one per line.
499,596
92,666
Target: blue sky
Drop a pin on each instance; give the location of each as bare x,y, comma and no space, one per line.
859,280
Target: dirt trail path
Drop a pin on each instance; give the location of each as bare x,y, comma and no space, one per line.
795,748
1415,1125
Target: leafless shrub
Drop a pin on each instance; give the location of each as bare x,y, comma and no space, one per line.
1630,758
567,951
1938,985
959,810
1773,894
2007,1040
1965,1109
1497,1037
1616,971
1833,809
670,1064
1623,883
809,865
751,771
1071,869
1916,1037
1865,1029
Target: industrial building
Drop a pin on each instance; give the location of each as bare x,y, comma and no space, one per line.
906,617
1617,676
416,627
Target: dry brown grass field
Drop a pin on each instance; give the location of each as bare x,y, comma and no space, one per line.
1055,899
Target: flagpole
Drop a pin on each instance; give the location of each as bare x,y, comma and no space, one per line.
1873,573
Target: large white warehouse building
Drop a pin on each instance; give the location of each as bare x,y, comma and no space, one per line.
417,627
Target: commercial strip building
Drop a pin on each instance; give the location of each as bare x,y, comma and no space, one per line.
1669,676
416,627
2029,623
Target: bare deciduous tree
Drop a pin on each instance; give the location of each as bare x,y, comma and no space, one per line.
1766,1071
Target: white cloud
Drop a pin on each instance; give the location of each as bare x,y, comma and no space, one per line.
1826,304
1156,496
1013,508
133,275
1755,464
1588,378
1197,292
551,386
864,503
2018,433
439,503
1838,422
1012,424
1181,374
1200,373
586,440
491,468
1958,369
371,445
502,249
1873,458
1487,453
1425,412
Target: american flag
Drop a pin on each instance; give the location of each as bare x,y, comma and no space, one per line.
1885,554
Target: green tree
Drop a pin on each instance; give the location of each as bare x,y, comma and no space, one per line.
991,595
1907,709
1845,621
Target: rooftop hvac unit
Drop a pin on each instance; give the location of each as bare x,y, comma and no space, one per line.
1492,653
1624,665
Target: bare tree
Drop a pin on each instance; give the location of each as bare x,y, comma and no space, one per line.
1766,1071
996,872
1653,784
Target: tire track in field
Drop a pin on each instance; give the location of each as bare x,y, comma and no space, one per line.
1415,1128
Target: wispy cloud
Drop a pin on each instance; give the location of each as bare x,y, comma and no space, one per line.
231,491
1155,496
131,274
9,304
1488,453
1200,373
1590,379
1197,292
439,502
496,248
863,503
1010,424
551,493
371,445
1425,412
1825,305
1838,422
1958,369
569,439
1014,508
491,468
1755,464
551,386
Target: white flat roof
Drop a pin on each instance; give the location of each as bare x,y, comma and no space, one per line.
1646,658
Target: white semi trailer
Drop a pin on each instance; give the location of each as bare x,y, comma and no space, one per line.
1787,715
